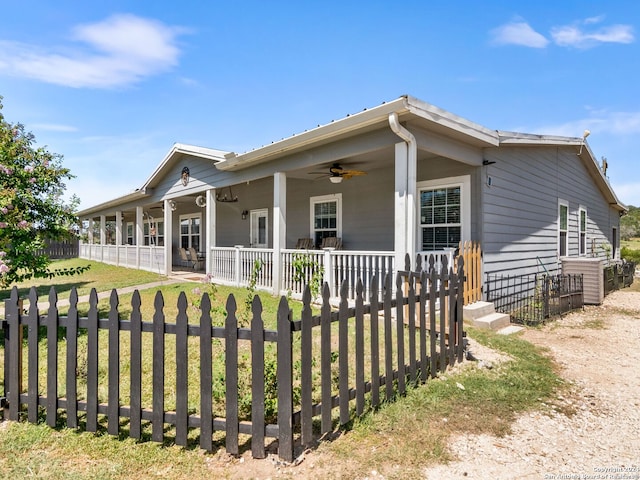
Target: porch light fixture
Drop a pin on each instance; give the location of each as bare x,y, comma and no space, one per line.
335,179
244,214
225,197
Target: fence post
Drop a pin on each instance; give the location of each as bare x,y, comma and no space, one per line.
285,382
12,355
460,309
231,379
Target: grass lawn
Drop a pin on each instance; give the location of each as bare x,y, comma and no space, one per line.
100,276
409,432
633,243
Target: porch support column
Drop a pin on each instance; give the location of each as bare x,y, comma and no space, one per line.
400,202
139,234
406,161
103,235
90,237
168,237
210,229
118,235
279,227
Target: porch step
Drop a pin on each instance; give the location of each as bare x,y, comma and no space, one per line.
493,321
510,329
477,310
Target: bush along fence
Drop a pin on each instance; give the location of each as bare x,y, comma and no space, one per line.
186,380
531,299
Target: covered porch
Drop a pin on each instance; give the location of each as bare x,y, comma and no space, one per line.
400,179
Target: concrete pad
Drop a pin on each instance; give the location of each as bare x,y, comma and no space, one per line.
510,329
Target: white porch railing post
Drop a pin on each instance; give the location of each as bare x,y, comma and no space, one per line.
139,234
237,264
328,269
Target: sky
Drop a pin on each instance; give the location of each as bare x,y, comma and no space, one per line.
112,86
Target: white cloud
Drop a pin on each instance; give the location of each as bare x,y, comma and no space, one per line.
52,127
119,51
614,123
574,36
518,33
581,34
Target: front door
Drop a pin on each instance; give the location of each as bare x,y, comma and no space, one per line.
259,230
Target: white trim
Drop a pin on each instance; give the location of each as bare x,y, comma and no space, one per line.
253,227
462,181
583,252
334,197
562,203
190,216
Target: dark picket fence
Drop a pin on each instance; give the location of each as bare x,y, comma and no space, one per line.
618,275
59,249
405,338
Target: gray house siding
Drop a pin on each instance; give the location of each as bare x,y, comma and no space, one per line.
521,193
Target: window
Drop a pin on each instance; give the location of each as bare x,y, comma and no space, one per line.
130,235
259,228
154,233
190,231
444,213
583,230
326,217
563,224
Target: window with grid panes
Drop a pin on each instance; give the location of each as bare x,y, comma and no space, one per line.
190,231
325,212
440,217
563,226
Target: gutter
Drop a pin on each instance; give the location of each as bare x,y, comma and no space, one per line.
412,179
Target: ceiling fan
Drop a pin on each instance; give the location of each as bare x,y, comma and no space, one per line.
337,173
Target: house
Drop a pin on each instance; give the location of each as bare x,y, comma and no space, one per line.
401,178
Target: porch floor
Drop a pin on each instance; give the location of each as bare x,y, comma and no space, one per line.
187,274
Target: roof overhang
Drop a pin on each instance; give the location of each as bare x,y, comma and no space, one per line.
582,150
116,202
409,110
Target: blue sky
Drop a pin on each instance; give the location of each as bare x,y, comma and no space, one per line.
113,85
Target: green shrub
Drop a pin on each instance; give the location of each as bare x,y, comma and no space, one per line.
630,255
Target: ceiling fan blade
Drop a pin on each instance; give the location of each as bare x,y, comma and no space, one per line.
353,173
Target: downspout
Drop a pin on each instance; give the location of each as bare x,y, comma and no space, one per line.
411,186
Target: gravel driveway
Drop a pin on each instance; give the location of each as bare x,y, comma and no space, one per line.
598,350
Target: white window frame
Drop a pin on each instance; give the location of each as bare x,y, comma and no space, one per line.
130,233
190,235
563,203
464,182
313,201
582,234
254,215
152,238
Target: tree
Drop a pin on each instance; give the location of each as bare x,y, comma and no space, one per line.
32,209
630,223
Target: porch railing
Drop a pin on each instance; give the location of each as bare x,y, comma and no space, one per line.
143,257
240,266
